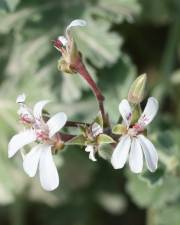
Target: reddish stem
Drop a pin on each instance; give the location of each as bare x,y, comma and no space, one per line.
81,69
66,137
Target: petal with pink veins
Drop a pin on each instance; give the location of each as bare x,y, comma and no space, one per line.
149,112
126,112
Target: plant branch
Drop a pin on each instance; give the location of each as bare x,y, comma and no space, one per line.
76,124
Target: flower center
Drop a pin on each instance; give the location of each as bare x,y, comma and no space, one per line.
42,135
26,119
135,130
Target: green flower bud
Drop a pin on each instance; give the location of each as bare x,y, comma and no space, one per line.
137,89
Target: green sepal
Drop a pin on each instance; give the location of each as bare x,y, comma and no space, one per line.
78,140
119,129
136,113
104,139
137,90
99,119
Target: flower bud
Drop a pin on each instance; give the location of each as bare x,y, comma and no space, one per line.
74,55
137,89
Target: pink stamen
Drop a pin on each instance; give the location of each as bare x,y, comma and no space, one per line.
138,127
25,119
42,135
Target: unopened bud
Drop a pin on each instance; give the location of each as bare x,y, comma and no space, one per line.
137,89
70,58
73,53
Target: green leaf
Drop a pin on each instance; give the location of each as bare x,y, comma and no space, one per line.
78,140
12,4
99,119
119,129
97,43
105,151
118,10
155,178
104,139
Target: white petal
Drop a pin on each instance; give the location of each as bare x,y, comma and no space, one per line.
63,40
120,154
125,110
37,111
136,156
91,151
149,152
19,140
49,177
56,122
96,129
76,23
21,98
149,111
31,160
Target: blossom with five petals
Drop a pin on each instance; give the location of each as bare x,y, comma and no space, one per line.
133,143
45,134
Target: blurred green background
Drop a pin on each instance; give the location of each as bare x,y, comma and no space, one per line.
124,38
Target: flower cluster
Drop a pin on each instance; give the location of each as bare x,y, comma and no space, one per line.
128,139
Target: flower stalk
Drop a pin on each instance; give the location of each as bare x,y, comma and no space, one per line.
81,69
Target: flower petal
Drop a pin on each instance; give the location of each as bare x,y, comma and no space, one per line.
150,153
150,111
125,110
56,123
120,154
37,111
91,151
31,160
19,140
63,40
76,23
48,173
136,156
21,98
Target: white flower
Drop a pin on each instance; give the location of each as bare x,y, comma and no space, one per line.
96,129
133,143
40,156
